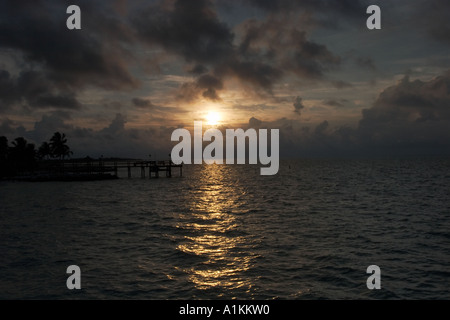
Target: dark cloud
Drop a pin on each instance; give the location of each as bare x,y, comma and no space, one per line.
44,128
409,118
114,140
192,29
117,126
309,59
280,46
298,105
321,127
211,94
362,61
411,112
211,84
257,74
188,28
62,114
7,127
66,101
209,81
365,62
262,54
35,89
50,69
57,63
198,69
340,103
340,84
141,103
187,92
326,13
412,101
433,15
74,58
206,85
157,110
254,123
346,7
8,94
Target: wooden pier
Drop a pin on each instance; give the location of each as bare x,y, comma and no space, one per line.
99,169
112,166
153,168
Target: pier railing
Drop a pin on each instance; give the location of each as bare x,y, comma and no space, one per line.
108,166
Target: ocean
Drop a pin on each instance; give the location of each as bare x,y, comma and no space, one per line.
226,232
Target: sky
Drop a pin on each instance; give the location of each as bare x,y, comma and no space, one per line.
137,70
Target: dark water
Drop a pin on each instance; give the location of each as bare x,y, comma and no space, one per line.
309,232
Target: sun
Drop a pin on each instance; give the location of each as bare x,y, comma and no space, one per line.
213,118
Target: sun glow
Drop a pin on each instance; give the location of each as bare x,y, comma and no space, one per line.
213,118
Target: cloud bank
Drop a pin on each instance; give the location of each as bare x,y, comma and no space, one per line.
155,62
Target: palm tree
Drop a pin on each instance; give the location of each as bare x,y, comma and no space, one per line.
18,150
23,153
45,151
58,146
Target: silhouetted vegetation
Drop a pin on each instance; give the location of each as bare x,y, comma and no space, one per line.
4,149
21,156
45,151
58,146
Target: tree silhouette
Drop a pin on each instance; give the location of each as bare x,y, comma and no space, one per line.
3,149
59,147
22,157
45,151
19,144
19,149
22,153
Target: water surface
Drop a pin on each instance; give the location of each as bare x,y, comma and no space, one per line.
223,232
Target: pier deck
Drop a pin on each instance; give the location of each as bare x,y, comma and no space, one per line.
111,166
98,169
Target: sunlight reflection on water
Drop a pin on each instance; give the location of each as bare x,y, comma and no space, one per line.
227,232
212,235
